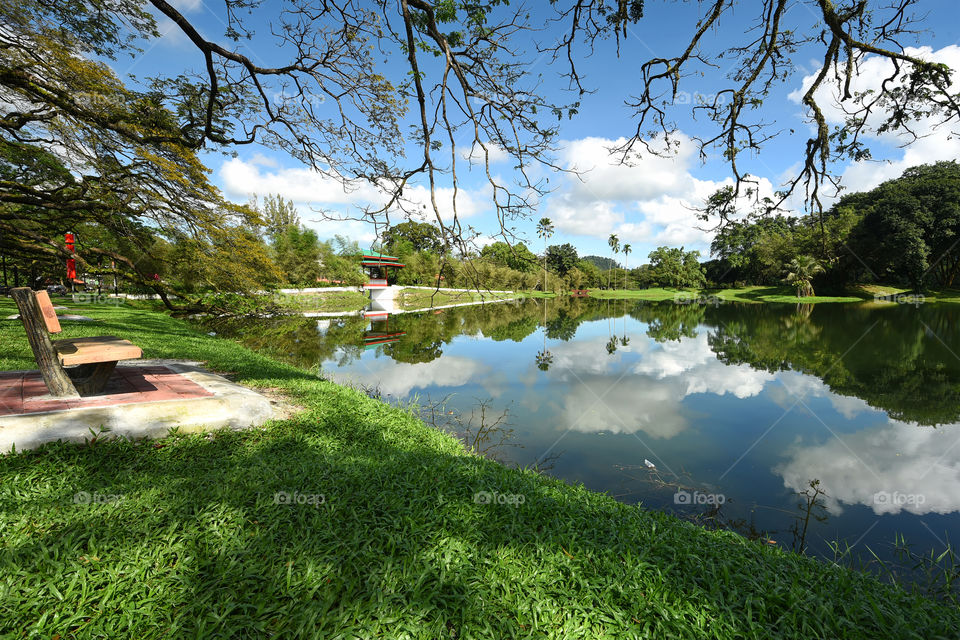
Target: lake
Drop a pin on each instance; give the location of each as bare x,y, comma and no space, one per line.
722,413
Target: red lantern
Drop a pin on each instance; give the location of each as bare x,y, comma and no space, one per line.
71,263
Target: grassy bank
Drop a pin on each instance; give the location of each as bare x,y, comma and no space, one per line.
407,298
779,294
183,537
424,298
324,301
348,301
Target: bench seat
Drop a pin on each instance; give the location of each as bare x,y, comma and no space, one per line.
70,368
91,350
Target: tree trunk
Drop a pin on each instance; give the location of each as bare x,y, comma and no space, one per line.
952,274
91,378
163,297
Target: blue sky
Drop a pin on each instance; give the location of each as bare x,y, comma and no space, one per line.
648,204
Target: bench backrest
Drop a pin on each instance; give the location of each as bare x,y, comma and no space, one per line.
48,312
39,321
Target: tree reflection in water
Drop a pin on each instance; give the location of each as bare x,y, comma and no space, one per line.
904,363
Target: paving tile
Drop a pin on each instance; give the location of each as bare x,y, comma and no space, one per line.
11,398
26,393
140,385
155,370
38,406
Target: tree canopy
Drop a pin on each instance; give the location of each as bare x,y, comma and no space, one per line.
411,236
910,226
673,267
561,258
517,256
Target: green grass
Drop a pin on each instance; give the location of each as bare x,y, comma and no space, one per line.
325,301
752,294
424,298
194,546
778,294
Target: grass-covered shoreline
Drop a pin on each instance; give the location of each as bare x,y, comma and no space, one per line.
777,294
411,298
185,539
407,298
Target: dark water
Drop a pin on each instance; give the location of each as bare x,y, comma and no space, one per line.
743,405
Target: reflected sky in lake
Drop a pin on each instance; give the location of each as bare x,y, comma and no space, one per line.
751,402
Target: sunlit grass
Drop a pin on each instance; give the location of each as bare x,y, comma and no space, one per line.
425,298
324,301
184,537
773,294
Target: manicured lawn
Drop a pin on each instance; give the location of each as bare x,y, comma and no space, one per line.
708,296
424,298
780,294
325,301
183,537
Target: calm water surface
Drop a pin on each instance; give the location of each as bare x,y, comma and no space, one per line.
742,405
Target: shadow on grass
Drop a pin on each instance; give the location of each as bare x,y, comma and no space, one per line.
183,537
159,337
756,295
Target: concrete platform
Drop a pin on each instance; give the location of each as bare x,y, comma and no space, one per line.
142,399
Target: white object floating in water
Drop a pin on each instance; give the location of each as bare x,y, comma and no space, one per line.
649,464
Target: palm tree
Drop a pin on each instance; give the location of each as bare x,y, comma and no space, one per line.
626,254
614,243
545,230
544,360
800,271
611,346
624,341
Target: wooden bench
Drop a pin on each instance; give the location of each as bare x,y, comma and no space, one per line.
70,368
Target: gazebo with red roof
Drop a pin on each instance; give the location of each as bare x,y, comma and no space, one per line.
377,266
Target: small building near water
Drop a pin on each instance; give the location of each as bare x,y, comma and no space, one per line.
377,265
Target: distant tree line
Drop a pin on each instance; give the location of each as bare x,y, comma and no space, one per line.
903,232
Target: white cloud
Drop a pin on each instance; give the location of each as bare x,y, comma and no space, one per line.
260,160
635,404
795,385
186,6
715,377
262,175
583,357
936,142
399,379
651,399
914,469
477,155
651,200
481,241
171,35
314,191
693,362
245,178
604,178
848,406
